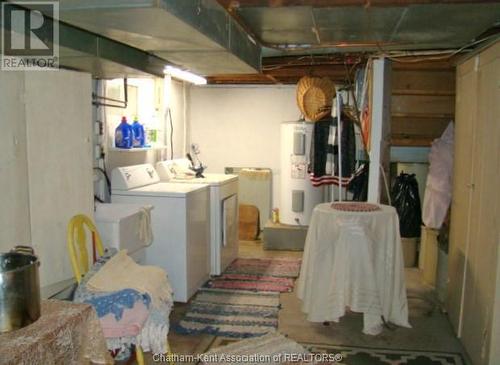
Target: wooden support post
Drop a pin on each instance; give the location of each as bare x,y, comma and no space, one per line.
380,131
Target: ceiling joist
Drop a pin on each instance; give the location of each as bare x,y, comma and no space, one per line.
330,38
288,70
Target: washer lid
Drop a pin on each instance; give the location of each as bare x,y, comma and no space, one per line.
163,189
130,177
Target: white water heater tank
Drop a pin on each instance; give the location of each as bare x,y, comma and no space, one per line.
298,196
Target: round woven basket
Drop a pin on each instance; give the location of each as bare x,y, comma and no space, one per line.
314,97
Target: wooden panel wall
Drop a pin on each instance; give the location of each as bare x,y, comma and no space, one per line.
59,153
423,103
474,235
14,207
461,199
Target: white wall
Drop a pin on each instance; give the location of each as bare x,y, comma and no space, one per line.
150,108
176,102
141,103
120,158
240,126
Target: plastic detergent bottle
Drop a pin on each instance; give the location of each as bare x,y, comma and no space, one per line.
123,134
138,139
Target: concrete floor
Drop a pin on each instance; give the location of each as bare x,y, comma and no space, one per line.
431,328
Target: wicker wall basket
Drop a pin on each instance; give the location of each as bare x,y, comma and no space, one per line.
314,97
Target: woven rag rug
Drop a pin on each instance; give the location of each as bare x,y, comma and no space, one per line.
251,282
231,313
270,345
352,355
271,275
287,268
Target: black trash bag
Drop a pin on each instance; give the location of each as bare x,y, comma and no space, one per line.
406,200
358,186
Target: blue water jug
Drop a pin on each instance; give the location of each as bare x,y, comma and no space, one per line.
123,135
138,139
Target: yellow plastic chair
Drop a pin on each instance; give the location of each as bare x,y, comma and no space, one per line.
77,249
77,244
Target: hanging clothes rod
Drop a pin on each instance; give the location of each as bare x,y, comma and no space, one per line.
339,134
124,103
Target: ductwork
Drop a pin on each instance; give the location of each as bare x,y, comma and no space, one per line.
102,57
197,35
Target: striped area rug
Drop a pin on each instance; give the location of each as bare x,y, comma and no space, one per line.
231,313
252,282
354,355
288,268
242,302
272,344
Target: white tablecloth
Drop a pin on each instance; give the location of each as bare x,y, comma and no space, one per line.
355,260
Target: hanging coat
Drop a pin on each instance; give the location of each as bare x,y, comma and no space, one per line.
323,166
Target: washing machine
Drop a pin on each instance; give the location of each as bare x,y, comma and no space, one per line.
180,221
223,209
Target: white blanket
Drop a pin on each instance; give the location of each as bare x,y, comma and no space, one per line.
121,272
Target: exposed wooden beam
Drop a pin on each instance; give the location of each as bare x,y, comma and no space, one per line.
312,60
240,79
422,92
314,70
448,116
437,65
289,69
411,141
272,78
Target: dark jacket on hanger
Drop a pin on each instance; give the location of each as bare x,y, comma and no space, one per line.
323,166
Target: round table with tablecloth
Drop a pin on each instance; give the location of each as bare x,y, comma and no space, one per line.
353,259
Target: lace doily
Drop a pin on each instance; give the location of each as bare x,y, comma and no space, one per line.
66,333
355,207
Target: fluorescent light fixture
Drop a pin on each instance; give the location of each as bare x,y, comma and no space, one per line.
185,75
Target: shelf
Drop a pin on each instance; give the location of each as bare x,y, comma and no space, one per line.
141,149
423,115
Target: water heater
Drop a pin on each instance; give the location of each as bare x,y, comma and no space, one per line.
298,196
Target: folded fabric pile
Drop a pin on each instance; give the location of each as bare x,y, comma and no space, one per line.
130,324
133,302
121,272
